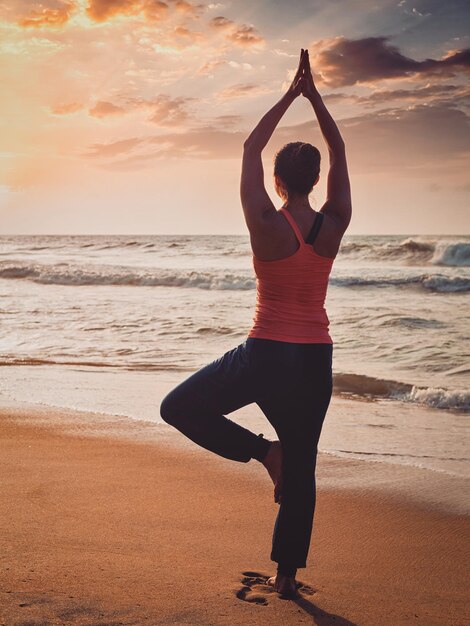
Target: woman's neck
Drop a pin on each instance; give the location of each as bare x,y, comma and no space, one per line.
297,206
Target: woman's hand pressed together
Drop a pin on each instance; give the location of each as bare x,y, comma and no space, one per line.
307,85
297,85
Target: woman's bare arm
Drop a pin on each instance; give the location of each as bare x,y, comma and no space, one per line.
254,197
338,203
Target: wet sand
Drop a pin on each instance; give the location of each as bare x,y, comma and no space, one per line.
103,528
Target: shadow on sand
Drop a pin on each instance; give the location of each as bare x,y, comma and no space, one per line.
256,589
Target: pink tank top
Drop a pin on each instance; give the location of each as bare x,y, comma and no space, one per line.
290,295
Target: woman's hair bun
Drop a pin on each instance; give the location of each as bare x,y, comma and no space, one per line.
297,164
306,155
306,150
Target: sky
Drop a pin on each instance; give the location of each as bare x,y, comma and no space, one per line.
129,116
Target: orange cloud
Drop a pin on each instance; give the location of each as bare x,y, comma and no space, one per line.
187,7
66,109
243,35
182,30
105,109
165,110
41,16
191,35
228,120
246,36
238,91
101,10
168,111
208,67
153,10
411,141
207,143
113,149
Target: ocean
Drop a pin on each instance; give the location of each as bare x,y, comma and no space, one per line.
92,322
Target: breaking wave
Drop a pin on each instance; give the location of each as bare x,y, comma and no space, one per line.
454,254
412,250
431,282
65,274
359,385
69,275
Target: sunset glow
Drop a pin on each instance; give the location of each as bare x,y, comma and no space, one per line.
128,116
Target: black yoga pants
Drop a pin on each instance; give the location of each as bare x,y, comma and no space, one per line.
292,385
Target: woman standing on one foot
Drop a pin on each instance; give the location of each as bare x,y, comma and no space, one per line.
285,363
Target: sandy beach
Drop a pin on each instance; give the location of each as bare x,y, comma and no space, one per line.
262,207
103,527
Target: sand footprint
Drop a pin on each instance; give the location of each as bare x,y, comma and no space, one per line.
256,589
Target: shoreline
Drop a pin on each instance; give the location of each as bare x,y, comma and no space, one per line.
375,430
427,488
98,527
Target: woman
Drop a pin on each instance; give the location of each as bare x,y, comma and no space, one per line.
285,363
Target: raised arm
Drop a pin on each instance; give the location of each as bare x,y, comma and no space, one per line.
254,197
338,203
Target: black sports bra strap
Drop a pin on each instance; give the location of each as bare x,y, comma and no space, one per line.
315,228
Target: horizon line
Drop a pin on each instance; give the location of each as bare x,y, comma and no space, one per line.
218,234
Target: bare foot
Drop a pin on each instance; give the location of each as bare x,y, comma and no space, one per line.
285,585
273,463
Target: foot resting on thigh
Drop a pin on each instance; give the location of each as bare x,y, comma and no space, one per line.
285,585
273,463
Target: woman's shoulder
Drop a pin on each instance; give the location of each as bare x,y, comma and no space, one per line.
271,240
329,237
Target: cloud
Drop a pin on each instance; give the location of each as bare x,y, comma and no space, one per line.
208,67
246,36
200,143
340,62
242,90
41,16
102,10
221,22
183,31
113,149
419,141
153,10
283,53
165,110
451,95
430,93
187,7
106,109
191,36
228,120
66,109
339,97
243,35
208,142
243,66
168,111
409,142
